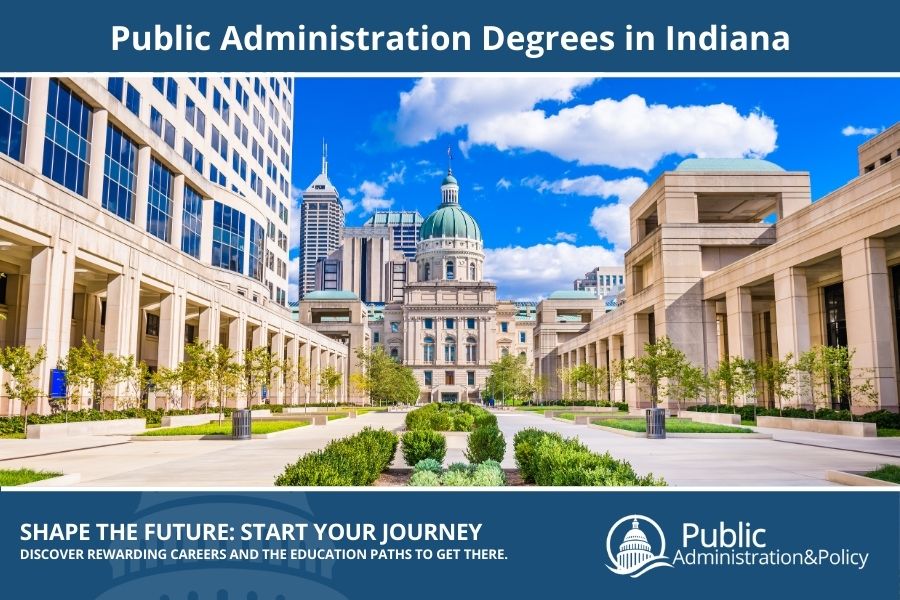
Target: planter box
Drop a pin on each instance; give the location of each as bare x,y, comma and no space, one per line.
110,427
854,429
845,478
717,418
182,420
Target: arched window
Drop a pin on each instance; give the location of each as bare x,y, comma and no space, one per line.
427,271
450,270
450,350
471,350
395,354
504,351
429,349
523,356
471,271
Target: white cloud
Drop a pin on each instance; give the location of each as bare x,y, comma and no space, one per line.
627,133
534,272
564,236
396,174
348,205
436,106
613,223
373,197
850,130
626,189
477,187
503,183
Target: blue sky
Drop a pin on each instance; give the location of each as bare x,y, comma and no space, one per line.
548,167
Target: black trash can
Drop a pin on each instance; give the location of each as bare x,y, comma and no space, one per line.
240,424
656,423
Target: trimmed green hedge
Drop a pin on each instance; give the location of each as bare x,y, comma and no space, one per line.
351,461
422,444
619,405
882,418
154,417
485,474
546,458
485,443
439,416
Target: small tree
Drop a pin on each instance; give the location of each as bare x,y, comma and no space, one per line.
383,379
196,372
330,378
89,368
256,372
171,383
20,363
511,380
289,379
225,374
660,361
780,377
686,384
304,377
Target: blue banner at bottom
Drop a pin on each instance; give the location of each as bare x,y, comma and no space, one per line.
288,545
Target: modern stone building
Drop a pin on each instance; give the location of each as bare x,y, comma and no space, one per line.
321,226
145,213
601,281
404,226
731,258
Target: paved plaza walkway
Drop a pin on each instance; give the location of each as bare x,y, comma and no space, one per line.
801,459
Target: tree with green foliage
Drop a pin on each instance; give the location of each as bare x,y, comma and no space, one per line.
225,374
330,378
686,384
257,365
383,379
660,362
20,362
288,380
304,377
89,369
510,380
196,372
170,383
779,376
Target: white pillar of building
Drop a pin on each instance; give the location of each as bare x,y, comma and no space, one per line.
276,394
307,353
739,309
293,354
35,131
792,317
171,329
142,186
237,336
870,327
206,231
99,126
209,325
122,308
49,311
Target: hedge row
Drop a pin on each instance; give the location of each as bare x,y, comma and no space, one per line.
429,473
439,416
546,458
153,416
351,461
619,405
423,444
882,418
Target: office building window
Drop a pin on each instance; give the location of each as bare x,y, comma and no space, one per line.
449,378
472,272
429,323
504,326
470,377
168,87
133,100
219,143
159,201
200,84
428,377
228,238
376,337
190,333
450,323
191,222
428,349
119,174
152,325
67,148
395,353
257,248
522,337
470,323
194,116
395,327
450,270
450,350
221,106
13,115
193,156
116,87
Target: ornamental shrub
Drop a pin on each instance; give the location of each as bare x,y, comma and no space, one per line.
428,464
463,421
356,460
488,473
524,444
449,417
486,443
459,466
421,444
456,478
425,479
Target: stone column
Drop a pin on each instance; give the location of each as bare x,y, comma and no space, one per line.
276,394
177,210
171,329
206,231
99,126
739,308
792,317
307,354
142,186
293,354
615,349
36,129
122,307
237,336
49,311
209,325
870,327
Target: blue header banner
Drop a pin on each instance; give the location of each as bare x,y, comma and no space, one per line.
470,544
409,36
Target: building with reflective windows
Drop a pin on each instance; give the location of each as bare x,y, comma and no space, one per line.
146,213
321,226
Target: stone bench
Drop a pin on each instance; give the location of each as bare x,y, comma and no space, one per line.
82,428
851,428
706,417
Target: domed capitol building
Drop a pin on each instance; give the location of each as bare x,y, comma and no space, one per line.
635,549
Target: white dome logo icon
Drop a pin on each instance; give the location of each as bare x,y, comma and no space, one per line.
635,555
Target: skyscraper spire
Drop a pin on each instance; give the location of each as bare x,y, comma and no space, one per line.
324,157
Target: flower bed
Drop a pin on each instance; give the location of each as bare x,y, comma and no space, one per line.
355,460
440,416
546,458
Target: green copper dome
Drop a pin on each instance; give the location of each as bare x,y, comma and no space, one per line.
449,179
449,221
